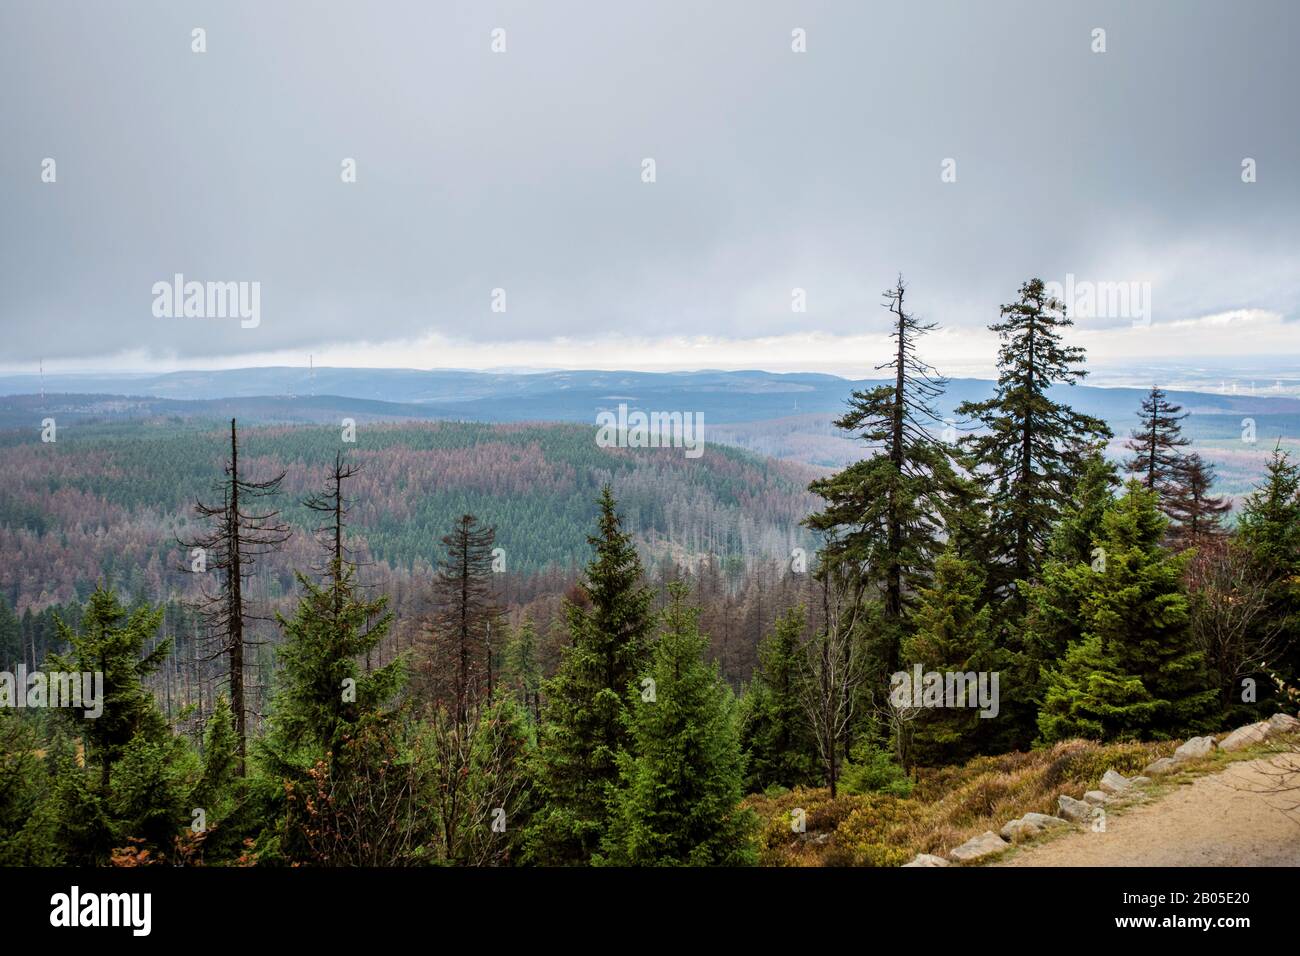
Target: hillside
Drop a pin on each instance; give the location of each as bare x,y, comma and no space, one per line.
788,416
108,500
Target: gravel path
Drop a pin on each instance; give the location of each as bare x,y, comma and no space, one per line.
1236,817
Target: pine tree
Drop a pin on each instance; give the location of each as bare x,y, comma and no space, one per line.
1030,447
1135,673
112,643
953,634
885,514
322,692
11,639
680,787
774,727
585,720
1156,442
460,657
1194,512
523,669
1270,531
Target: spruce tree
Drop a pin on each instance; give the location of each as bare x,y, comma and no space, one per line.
1135,673
460,658
523,670
1029,449
680,786
112,643
885,513
322,692
953,634
1155,443
1195,513
1270,531
774,726
11,638
586,716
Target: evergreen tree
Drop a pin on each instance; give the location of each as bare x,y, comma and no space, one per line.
1270,531
885,514
1135,673
112,643
953,634
1030,448
322,692
586,716
678,801
11,637
523,669
460,658
774,726
1156,442
1195,514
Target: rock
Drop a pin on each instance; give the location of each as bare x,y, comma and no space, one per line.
1097,798
985,845
1112,782
1196,747
1076,811
1163,765
1244,737
1030,826
1139,781
1282,724
928,859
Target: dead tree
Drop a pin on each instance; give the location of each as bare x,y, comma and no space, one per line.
834,665
239,534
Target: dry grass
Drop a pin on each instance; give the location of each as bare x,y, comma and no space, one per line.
948,806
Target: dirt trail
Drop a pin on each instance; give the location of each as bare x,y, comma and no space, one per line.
1229,818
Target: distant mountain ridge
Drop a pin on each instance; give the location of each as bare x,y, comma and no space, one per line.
781,415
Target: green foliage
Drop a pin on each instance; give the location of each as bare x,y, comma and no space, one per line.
873,769
585,721
1135,673
1270,531
322,692
774,728
679,793
1029,447
523,670
952,633
111,643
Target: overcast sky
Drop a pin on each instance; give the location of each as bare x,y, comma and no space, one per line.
523,170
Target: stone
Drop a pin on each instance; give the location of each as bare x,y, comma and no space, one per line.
1076,811
1113,782
980,847
1283,724
1139,781
1244,737
1030,826
1193,748
1098,798
928,859
1161,766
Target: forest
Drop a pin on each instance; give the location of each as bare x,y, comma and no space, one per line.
573,655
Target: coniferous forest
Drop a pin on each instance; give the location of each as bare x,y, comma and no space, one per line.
573,655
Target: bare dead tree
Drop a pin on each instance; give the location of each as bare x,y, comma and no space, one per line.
239,534
834,665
